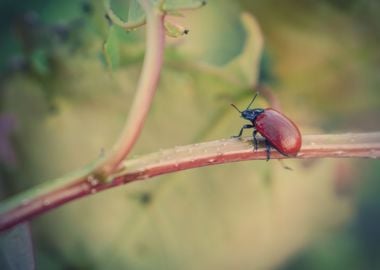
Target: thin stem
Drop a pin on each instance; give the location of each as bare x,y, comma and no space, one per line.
118,21
17,210
146,89
57,191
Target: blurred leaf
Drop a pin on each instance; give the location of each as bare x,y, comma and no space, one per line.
39,62
135,12
266,75
122,49
182,4
247,64
16,249
233,51
111,48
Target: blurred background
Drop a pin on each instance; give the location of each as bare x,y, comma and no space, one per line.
67,78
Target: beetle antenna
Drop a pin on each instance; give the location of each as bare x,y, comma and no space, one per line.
233,105
257,93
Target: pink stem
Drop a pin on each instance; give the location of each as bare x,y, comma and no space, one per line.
365,145
146,89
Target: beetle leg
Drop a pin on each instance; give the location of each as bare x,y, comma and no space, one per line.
241,130
255,139
267,146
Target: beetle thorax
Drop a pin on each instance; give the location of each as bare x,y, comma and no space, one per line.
251,114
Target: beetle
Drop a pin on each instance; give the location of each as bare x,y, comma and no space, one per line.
278,130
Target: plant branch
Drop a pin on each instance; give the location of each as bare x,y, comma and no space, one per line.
71,185
118,21
77,184
22,207
146,89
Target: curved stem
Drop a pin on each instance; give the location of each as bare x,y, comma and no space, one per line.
146,89
118,21
22,207
56,191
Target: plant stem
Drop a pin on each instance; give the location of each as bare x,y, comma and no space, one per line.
51,195
118,21
146,89
55,192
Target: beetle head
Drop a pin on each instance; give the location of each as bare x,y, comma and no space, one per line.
249,114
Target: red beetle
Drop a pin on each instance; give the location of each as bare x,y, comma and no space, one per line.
279,131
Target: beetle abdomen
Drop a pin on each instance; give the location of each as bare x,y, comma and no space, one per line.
280,131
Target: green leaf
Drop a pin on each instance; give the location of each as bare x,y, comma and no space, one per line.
136,12
126,14
247,64
111,49
39,62
182,4
233,49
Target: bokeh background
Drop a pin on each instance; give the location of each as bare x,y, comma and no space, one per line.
67,79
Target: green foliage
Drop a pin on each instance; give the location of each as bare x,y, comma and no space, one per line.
182,4
40,63
111,49
134,13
